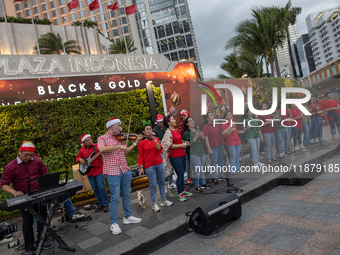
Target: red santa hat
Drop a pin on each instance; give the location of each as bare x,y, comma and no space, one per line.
84,137
159,118
27,146
111,122
182,115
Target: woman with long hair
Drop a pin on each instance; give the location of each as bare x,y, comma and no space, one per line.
297,116
151,163
254,136
268,135
333,113
316,121
174,150
233,142
196,139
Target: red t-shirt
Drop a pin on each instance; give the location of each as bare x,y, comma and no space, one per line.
312,107
296,113
148,154
233,139
331,104
286,123
267,128
85,152
177,139
213,134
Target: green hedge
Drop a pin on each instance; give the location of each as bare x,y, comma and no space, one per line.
55,127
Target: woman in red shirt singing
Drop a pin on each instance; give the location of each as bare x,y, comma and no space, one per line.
174,149
297,116
151,163
233,143
333,115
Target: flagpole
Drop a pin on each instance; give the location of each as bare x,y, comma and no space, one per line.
35,31
9,39
126,48
61,34
140,25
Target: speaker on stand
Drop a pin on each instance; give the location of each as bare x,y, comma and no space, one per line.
206,218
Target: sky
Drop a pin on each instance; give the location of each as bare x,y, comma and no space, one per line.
214,22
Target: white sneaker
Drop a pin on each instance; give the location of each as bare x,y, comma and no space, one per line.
260,164
77,215
166,203
302,147
165,190
131,219
115,229
297,148
155,207
282,155
172,186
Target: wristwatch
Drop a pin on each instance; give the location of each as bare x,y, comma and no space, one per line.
135,144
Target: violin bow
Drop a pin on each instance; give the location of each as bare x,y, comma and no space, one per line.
127,139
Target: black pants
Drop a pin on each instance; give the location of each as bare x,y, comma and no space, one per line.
27,225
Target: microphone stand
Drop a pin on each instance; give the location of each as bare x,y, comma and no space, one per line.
230,185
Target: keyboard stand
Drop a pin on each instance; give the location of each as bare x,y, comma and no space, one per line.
47,228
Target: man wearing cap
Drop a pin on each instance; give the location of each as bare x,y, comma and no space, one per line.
95,176
25,167
117,172
159,130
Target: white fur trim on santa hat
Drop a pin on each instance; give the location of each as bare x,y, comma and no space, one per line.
111,122
84,137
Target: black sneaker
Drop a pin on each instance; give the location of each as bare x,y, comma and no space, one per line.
46,245
205,186
106,208
199,190
214,182
99,209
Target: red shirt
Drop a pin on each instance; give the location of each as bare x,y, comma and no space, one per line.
312,108
296,113
114,161
286,123
85,152
233,139
331,104
213,134
177,139
148,154
267,128
18,173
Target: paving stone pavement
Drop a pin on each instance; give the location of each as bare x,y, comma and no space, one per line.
285,220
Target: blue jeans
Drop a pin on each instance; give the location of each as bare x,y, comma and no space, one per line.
306,135
198,163
316,128
279,133
99,189
154,174
170,178
334,118
254,149
179,165
216,159
69,207
187,166
269,141
288,132
117,184
297,136
234,152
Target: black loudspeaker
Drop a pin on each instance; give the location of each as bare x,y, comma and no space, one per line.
302,174
206,218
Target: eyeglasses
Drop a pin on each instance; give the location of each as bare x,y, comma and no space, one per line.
26,155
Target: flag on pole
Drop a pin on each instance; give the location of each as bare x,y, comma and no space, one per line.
131,9
73,5
94,5
113,6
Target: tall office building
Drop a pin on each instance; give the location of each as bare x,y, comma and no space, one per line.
159,26
282,53
324,33
7,7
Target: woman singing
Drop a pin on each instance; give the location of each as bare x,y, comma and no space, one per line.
174,149
333,115
151,163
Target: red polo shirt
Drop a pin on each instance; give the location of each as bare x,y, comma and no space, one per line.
213,135
296,113
233,139
312,108
148,154
267,128
85,152
177,137
331,104
18,173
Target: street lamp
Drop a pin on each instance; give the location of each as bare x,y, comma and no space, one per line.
304,55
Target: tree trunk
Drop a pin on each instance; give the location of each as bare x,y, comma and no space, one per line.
292,64
271,67
277,65
267,66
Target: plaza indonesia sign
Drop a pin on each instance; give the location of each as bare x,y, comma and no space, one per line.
54,77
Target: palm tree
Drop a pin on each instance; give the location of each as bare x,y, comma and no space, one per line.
260,36
118,47
231,66
51,43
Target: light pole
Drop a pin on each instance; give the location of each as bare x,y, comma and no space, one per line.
304,55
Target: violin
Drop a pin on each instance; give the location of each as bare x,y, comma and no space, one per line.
132,137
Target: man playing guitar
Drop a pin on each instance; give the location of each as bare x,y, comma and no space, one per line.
95,174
